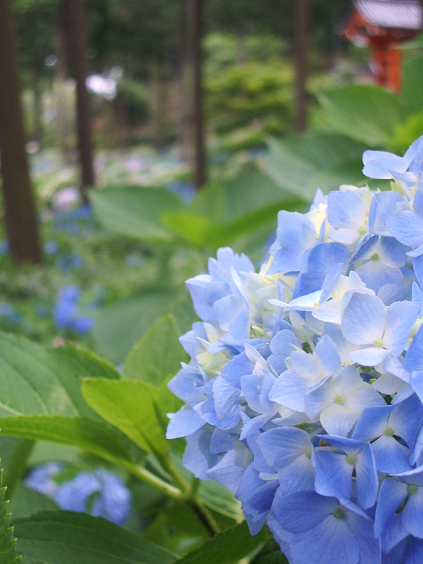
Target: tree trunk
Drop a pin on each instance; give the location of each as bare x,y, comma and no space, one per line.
182,133
300,58
21,215
62,121
38,112
77,35
195,12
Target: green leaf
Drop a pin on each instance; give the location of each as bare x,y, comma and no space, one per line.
37,381
412,84
189,227
7,539
120,325
251,190
27,501
270,554
220,499
365,113
86,363
303,164
227,547
63,537
158,354
209,202
135,211
131,407
96,437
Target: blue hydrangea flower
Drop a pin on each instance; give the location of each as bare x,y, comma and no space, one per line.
304,390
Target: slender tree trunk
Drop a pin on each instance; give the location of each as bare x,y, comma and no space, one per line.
300,58
60,91
38,112
77,35
21,215
195,11
182,134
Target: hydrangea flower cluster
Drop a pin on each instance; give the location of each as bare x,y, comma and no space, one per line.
66,311
304,390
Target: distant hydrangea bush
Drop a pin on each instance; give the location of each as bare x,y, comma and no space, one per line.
304,390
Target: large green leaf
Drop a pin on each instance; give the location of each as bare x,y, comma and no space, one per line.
40,397
303,164
27,501
362,112
132,407
37,381
251,190
85,363
227,547
220,499
120,325
158,355
270,554
412,84
93,436
63,537
135,211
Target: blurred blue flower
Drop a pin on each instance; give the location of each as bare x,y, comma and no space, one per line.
185,189
109,496
51,247
4,247
66,311
41,478
100,493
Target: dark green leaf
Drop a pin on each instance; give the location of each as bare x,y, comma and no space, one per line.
227,547
27,501
135,211
363,112
63,537
158,354
270,554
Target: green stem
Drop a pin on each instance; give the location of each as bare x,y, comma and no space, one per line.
144,475
16,465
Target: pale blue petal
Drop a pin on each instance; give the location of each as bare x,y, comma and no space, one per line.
417,297
298,476
318,398
289,390
301,512
371,356
372,423
414,357
281,447
333,475
346,209
329,542
183,423
400,319
328,356
367,479
338,419
227,472
407,228
387,204
412,514
225,396
364,319
375,274
392,494
390,456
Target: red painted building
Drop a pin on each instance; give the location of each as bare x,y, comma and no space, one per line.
383,25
